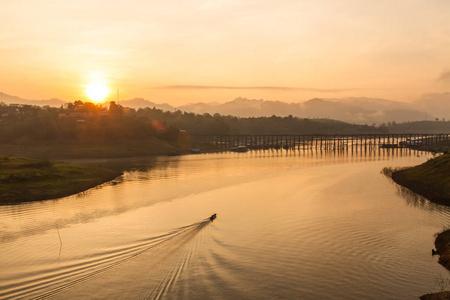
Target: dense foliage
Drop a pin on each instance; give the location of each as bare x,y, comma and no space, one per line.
85,122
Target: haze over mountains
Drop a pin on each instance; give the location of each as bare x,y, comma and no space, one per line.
358,110
8,99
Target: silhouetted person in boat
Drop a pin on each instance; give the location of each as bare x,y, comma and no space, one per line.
434,252
213,217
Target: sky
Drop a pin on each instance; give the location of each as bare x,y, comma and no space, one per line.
181,52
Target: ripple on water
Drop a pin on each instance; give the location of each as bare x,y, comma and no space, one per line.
289,226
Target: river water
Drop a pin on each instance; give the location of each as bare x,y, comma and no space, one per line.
290,225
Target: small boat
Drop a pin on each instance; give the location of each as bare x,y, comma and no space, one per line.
239,149
389,146
213,217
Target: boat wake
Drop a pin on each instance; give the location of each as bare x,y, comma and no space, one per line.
144,270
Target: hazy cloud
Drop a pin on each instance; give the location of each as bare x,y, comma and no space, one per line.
278,88
444,77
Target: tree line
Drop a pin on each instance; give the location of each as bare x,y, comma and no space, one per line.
88,122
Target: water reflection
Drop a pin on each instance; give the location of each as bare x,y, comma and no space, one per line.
146,164
125,164
326,219
372,152
411,197
166,180
419,201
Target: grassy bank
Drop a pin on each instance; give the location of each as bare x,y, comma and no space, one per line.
24,179
430,179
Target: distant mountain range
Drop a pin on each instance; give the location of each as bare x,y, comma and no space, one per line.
137,103
8,99
351,110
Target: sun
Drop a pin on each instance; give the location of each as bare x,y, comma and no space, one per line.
97,91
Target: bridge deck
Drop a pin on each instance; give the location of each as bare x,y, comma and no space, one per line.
324,142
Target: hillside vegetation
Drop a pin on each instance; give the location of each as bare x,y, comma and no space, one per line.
84,122
359,110
87,130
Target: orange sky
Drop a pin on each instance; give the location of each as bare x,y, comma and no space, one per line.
188,51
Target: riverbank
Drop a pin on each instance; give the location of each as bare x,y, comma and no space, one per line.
442,244
430,179
436,296
26,179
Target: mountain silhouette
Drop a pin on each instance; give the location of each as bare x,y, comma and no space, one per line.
137,103
351,110
8,99
358,110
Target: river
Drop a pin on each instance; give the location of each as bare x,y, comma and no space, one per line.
290,225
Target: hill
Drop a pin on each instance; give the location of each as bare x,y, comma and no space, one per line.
137,103
8,99
420,127
357,110
351,110
437,105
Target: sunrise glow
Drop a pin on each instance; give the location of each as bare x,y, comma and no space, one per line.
97,91
205,51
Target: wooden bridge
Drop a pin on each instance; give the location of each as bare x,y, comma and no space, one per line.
319,142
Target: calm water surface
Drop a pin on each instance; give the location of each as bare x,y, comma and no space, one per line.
293,225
